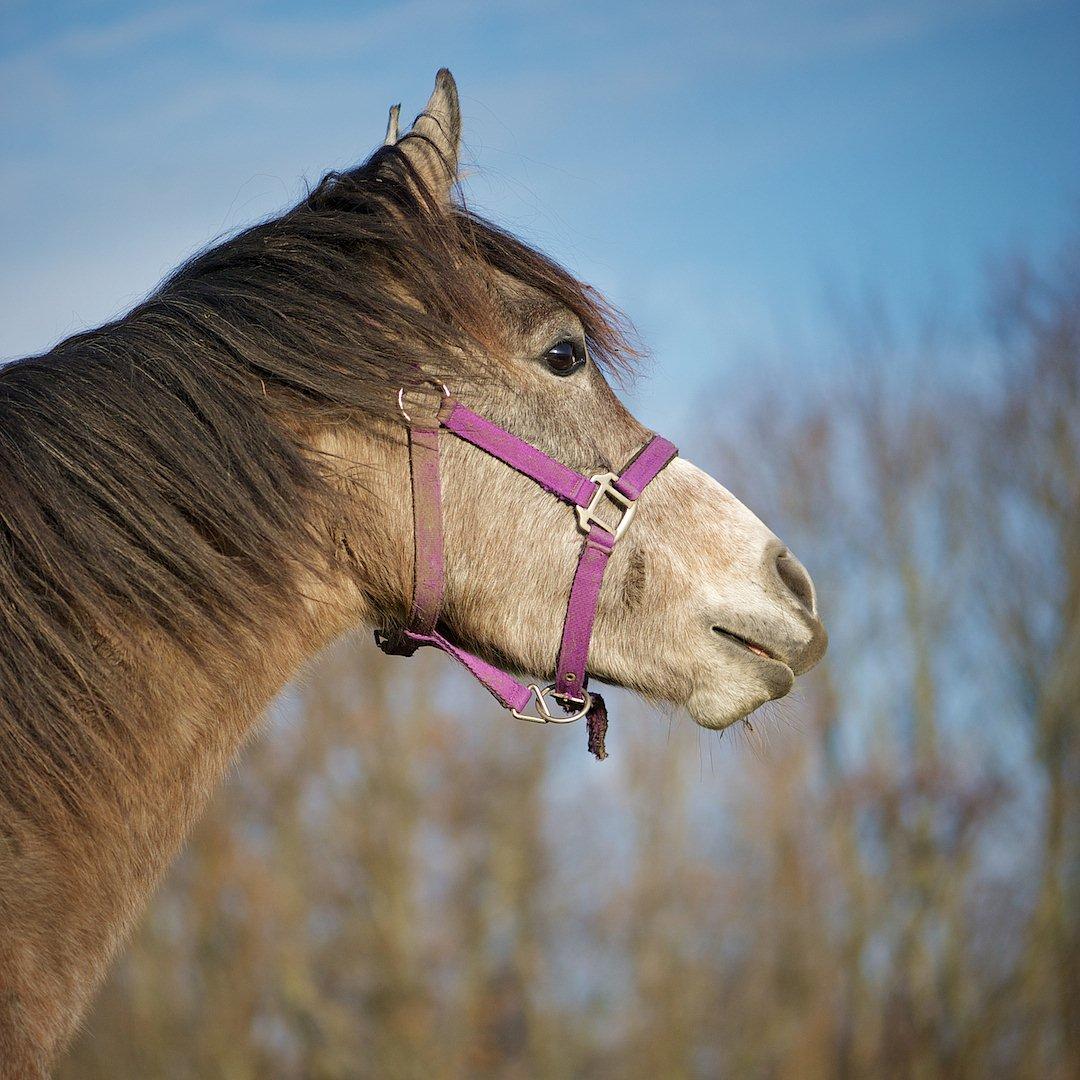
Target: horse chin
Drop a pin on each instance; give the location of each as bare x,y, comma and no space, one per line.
720,704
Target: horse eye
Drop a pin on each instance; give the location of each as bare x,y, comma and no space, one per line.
564,358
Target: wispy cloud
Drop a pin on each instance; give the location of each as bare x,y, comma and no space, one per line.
138,30
649,142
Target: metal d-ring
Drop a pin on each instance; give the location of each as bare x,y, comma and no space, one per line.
430,382
545,714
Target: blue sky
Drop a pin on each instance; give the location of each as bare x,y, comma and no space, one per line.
715,167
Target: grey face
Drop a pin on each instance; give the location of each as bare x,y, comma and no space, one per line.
702,605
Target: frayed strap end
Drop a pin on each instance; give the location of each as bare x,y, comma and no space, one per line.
596,723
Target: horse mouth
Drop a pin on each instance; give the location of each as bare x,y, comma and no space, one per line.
746,643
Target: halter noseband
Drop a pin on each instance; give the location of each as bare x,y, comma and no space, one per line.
586,495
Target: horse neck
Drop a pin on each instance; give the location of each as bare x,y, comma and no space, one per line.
70,890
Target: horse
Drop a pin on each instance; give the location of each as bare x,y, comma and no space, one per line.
201,495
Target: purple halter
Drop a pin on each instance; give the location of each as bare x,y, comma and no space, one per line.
586,495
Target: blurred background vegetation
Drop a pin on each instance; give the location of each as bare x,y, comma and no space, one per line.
878,878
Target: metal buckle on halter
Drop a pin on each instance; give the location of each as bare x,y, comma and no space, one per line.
586,515
434,383
545,714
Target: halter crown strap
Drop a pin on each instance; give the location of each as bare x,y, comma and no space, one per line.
594,499
429,564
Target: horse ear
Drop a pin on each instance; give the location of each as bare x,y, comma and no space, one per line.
392,135
433,142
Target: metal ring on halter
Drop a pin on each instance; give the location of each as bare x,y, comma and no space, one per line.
430,382
546,716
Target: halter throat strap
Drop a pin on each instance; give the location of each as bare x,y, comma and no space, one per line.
604,506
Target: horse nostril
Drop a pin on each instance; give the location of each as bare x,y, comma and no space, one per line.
793,574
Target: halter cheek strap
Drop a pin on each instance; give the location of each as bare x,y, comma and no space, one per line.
595,501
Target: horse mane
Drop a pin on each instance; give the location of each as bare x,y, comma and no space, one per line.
152,475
